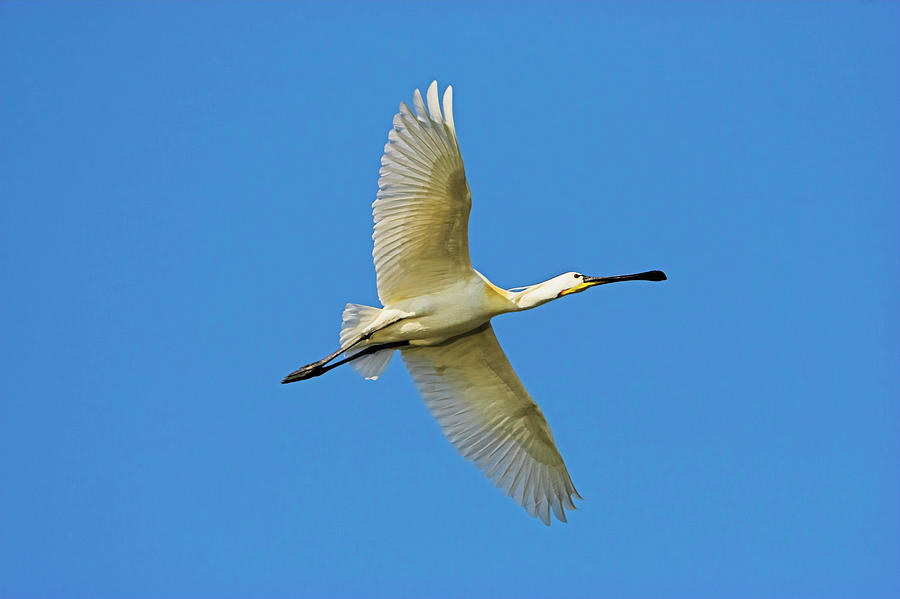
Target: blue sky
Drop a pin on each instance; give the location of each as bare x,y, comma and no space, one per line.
185,195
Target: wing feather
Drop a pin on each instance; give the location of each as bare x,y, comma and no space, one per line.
433,107
484,410
422,208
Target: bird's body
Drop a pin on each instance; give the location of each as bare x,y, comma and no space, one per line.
432,318
437,312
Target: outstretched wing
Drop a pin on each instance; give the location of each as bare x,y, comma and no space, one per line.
485,411
422,208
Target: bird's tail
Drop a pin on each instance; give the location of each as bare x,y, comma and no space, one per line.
356,318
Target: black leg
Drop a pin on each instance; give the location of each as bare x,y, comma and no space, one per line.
319,368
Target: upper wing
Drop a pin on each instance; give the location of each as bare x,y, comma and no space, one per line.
422,208
485,411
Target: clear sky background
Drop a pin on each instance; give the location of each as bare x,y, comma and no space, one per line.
186,193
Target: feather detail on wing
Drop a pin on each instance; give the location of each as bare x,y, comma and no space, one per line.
422,208
484,410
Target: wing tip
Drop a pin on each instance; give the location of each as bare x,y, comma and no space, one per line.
448,110
434,107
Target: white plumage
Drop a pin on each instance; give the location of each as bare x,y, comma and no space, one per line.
485,411
422,208
437,312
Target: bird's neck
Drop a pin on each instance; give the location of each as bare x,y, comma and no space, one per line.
524,298
498,300
529,297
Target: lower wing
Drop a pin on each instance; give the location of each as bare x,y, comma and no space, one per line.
471,389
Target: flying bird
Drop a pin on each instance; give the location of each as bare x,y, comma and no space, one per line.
437,312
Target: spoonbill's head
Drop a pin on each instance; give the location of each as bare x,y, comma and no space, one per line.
574,282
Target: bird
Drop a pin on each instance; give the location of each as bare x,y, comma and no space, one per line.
437,310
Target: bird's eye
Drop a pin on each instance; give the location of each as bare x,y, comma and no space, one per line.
577,276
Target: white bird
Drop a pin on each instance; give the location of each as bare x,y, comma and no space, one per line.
438,309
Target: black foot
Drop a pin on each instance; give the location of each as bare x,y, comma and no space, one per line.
307,372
